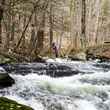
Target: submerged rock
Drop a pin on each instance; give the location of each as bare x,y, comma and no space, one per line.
7,104
103,66
50,69
60,70
5,79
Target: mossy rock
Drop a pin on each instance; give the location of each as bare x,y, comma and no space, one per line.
5,60
7,104
81,56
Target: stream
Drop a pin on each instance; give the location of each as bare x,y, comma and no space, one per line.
89,89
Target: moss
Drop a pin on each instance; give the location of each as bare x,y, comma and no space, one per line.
7,104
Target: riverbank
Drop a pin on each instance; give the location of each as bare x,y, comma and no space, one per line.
101,52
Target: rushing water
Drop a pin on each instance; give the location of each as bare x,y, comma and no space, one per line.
87,91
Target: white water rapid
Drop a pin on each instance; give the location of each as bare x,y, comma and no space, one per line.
88,91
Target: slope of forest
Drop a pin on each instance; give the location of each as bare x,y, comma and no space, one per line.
29,27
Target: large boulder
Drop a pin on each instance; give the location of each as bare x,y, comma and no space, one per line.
99,52
5,79
81,56
7,104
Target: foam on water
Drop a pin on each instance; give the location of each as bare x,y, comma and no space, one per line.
85,105
66,85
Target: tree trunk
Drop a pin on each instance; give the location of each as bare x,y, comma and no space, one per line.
97,22
13,32
40,36
83,24
24,38
40,39
32,39
1,17
51,28
13,23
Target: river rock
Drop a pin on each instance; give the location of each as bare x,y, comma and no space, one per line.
5,79
7,104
